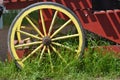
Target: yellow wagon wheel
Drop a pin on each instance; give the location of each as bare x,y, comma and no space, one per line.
62,40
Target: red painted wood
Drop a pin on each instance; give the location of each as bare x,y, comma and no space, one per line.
18,4
20,54
109,49
104,23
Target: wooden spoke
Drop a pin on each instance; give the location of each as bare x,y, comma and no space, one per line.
54,49
52,23
63,26
28,34
51,64
43,23
65,37
63,46
41,55
28,38
28,44
27,28
33,52
33,25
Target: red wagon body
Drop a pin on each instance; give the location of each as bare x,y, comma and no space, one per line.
105,23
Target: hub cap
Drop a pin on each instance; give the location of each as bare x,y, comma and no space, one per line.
46,40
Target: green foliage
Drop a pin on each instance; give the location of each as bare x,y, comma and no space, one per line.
99,64
93,65
9,16
93,40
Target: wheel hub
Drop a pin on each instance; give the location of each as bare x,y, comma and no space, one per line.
46,40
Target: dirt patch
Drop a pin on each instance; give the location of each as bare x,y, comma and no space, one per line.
3,44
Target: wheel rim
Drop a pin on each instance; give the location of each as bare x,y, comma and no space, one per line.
47,40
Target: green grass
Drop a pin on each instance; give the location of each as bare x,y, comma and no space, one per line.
92,66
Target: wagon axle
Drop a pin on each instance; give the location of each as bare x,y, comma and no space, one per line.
46,40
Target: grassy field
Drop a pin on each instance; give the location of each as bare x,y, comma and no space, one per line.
94,65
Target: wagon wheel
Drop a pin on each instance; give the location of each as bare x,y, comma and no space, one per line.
54,37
